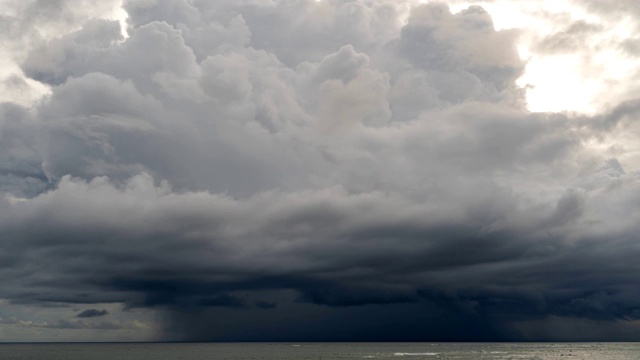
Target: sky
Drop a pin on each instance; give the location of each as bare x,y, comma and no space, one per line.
302,170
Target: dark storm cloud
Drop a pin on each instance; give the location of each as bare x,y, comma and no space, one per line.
343,164
20,164
92,313
266,305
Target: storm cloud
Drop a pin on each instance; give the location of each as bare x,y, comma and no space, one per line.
264,170
92,313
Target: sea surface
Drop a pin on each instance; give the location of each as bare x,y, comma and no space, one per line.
325,351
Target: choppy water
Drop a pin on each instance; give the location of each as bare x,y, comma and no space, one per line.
325,351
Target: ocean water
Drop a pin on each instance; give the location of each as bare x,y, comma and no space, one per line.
325,351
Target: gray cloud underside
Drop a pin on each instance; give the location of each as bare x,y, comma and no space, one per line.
343,155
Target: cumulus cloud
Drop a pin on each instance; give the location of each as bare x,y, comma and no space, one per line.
369,159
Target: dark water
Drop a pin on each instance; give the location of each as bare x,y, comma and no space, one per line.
326,351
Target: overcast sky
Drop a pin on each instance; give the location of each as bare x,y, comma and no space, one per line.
298,170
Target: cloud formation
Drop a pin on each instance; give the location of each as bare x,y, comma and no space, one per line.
287,164
92,313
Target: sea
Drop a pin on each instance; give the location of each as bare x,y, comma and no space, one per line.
325,351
